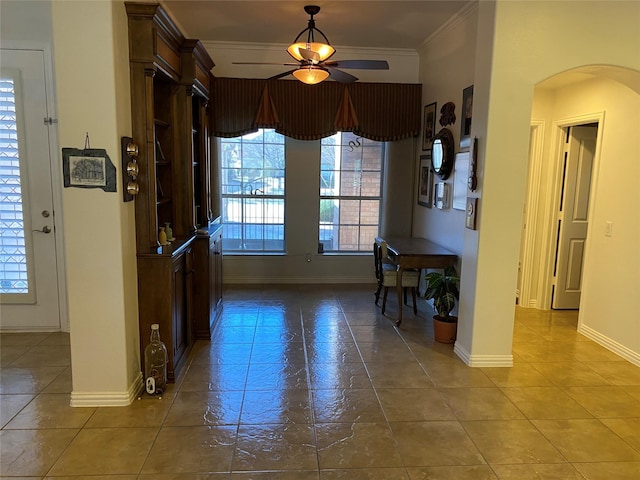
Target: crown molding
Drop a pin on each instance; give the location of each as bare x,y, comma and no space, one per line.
462,15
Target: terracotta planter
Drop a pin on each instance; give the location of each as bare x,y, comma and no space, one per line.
445,331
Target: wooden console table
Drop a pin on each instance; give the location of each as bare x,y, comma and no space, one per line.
409,252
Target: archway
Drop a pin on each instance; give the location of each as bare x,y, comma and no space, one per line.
610,97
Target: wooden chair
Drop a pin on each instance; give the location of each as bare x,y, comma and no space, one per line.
387,276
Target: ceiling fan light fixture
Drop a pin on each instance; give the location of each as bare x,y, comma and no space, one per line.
324,50
311,56
311,75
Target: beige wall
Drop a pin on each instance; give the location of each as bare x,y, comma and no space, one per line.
92,82
511,57
612,264
446,68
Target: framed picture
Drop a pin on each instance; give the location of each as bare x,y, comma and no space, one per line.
88,168
441,196
465,123
425,185
460,181
429,125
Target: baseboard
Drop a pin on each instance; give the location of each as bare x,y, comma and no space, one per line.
108,399
606,342
297,280
482,360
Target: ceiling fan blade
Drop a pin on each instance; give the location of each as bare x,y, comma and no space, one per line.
340,76
309,55
283,74
359,64
266,63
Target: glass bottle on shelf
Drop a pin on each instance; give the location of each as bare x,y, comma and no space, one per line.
155,363
169,231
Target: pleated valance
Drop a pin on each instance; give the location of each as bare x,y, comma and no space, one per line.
377,111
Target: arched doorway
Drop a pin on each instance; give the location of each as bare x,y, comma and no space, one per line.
609,97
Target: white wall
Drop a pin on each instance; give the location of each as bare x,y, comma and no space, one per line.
518,45
612,264
92,80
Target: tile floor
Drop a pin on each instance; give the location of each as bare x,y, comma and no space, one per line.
312,382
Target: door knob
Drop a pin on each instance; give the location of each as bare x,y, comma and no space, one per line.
44,229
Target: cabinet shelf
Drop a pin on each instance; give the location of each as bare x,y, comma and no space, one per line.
170,84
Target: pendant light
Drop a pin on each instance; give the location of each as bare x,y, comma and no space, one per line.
311,74
311,51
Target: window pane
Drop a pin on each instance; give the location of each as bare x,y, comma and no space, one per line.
349,238
350,183
350,212
368,235
13,252
370,184
369,212
350,191
253,191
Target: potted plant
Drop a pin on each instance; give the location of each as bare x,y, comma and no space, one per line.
442,288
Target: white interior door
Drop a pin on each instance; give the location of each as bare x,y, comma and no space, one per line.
573,216
29,298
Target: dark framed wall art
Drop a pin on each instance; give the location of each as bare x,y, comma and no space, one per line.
465,123
429,125
425,184
88,168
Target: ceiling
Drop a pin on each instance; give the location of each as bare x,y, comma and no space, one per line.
352,23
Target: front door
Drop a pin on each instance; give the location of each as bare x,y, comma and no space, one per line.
29,299
573,216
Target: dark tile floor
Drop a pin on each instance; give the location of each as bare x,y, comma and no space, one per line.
312,382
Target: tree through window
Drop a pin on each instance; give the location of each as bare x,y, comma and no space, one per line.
253,192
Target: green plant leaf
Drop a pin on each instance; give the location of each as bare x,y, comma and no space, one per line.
442,288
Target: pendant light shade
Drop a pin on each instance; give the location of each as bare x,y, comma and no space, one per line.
305,48
311,75
324,50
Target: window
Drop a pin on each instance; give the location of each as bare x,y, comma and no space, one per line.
13,243
253,192
350,192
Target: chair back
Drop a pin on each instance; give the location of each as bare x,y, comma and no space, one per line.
379,255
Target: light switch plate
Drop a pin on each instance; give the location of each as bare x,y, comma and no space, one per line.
608,229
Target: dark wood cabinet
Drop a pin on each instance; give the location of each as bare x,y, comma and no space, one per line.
170,87
207,252
165,283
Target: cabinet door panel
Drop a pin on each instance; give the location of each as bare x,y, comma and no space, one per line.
180,336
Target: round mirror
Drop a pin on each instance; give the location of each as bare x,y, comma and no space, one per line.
442,153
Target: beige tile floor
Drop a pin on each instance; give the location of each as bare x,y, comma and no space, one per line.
312,382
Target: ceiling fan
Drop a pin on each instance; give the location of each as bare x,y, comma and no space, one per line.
313,57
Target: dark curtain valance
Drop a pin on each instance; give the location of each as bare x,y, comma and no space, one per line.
378,111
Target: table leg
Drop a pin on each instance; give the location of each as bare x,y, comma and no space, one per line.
399,291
